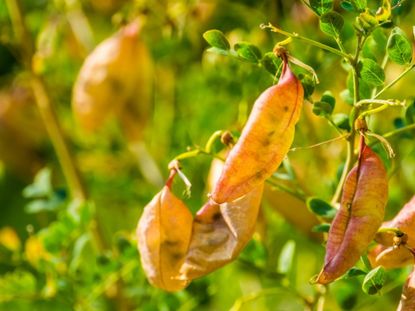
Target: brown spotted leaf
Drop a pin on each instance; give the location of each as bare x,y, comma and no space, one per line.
163,233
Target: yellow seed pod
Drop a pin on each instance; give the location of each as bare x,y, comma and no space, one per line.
114,76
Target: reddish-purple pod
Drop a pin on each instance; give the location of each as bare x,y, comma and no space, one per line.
362,208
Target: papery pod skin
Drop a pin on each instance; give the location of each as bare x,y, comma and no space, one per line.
407,302
362,208
265,139
390,257
110,78
220,232
163,233
404,221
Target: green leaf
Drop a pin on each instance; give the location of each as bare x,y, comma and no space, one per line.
271,62
41,186
410,113
374,281
321,228
360,5
308,84
347,6
286,259
353,272
399,47
331,24
371,72
248,52
325,106
321,207
342,121
321,6
18,283
322,108
217,39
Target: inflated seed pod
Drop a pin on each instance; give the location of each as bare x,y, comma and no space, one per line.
407,302
265,139
163,233
220,232
115,77
395,257
390,257
362,208
404,221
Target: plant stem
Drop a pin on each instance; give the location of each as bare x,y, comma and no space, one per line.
392,83
306,40
54,130
379,102
48,115
350,158
43,102
284,188
399,130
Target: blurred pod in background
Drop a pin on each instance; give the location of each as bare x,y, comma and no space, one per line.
22,136
110,80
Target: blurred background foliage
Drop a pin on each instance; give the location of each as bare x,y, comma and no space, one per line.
61,254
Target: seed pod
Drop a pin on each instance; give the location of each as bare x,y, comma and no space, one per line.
404,221
110,78
265,139
397,257
390,257
361,212
220,232
163,233
407,302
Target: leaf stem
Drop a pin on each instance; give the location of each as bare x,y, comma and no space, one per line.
48,115
297,194
390,102
399,130
306,40
393,82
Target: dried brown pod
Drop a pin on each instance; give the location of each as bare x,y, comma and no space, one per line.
407,302
163,233
220,232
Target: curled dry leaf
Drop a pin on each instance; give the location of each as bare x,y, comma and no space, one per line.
407,302
265,139
163,234
361,212
220,232
114,78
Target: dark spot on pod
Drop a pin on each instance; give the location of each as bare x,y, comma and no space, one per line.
258,175
216,216
271,133
171,243
176,256
266,141
115,84
285,108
